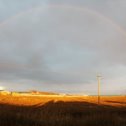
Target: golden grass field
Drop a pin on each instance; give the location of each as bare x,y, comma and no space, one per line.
62,111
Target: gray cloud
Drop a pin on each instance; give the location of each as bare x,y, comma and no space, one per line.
61,47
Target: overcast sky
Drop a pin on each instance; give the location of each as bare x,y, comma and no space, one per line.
61,45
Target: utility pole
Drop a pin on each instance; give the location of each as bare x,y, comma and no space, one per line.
99,83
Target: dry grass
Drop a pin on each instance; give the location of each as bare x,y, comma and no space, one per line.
62,111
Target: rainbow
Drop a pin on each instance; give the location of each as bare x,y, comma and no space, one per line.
77,8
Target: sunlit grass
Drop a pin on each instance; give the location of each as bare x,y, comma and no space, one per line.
62,111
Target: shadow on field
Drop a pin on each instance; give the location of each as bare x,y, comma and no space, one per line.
62,114
116,102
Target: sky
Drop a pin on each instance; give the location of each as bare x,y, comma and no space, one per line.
62,45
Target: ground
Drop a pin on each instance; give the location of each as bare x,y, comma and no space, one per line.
62,110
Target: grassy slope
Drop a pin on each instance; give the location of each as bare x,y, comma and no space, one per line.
62,111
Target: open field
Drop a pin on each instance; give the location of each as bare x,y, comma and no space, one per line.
62,111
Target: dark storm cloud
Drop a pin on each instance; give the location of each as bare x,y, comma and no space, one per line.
61,46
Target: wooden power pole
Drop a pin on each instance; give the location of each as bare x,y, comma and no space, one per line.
99,83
